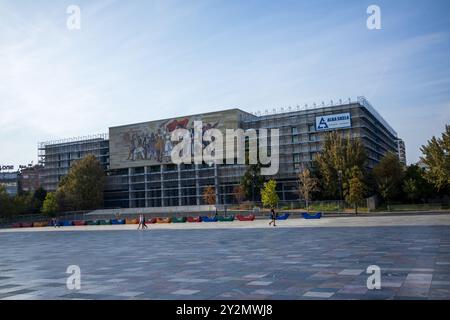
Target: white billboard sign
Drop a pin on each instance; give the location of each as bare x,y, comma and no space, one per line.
333,121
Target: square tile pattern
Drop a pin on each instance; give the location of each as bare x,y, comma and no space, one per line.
285,263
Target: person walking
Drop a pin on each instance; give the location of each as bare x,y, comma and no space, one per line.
144,225
273,216
140,222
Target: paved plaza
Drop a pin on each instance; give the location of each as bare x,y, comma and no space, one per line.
326,261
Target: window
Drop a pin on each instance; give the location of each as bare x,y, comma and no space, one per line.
294,134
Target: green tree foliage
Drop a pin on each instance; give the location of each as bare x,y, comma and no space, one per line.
339,154
252,182
436,155
82,188
388,174
307,185
355,189
6,204
50,205
22,203
415,186
269,194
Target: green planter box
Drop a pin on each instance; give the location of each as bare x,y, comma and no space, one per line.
104,222
92,222
178,219
225,219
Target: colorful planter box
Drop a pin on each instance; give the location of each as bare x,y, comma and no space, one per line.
209,219
117,221
92,222
316,215
79,223
194,219
16,225
178,219
163,220
40,224
151,221
26,224
65,223
104,222
283,216
225,219
250,217
131,221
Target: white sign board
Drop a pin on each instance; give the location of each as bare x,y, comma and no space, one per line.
333,121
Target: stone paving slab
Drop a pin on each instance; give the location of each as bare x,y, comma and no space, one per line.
227,263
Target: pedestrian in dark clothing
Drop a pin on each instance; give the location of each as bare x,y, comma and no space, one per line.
273,216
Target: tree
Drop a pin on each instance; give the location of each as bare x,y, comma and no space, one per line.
436,155
269,194
339,155
239,193
415,186
307,185
82,188
5,203
50,205
209,195
388,174
252,181
410,188
356,188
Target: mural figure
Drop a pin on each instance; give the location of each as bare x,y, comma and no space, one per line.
156,144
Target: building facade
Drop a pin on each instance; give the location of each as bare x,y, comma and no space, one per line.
57,157
401,151
31,178
10,181
140,172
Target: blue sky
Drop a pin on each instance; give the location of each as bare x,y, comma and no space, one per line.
134,61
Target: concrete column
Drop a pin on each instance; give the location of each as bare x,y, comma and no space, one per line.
162,185
216,183
180,202
146,189
197,186
129,188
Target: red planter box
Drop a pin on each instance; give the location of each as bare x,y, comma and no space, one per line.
245,218
27,224
152,220
194,219
79,223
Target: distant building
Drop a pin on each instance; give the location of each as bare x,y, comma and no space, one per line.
422,165
57,157
10,180
31,178
401,151
140,173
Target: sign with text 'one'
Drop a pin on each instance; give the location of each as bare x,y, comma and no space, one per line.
333,121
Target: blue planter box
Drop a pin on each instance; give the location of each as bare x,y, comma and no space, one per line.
208,219
65,223
316,215
283,216
118,221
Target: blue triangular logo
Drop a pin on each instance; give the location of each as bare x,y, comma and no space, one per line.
322,124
